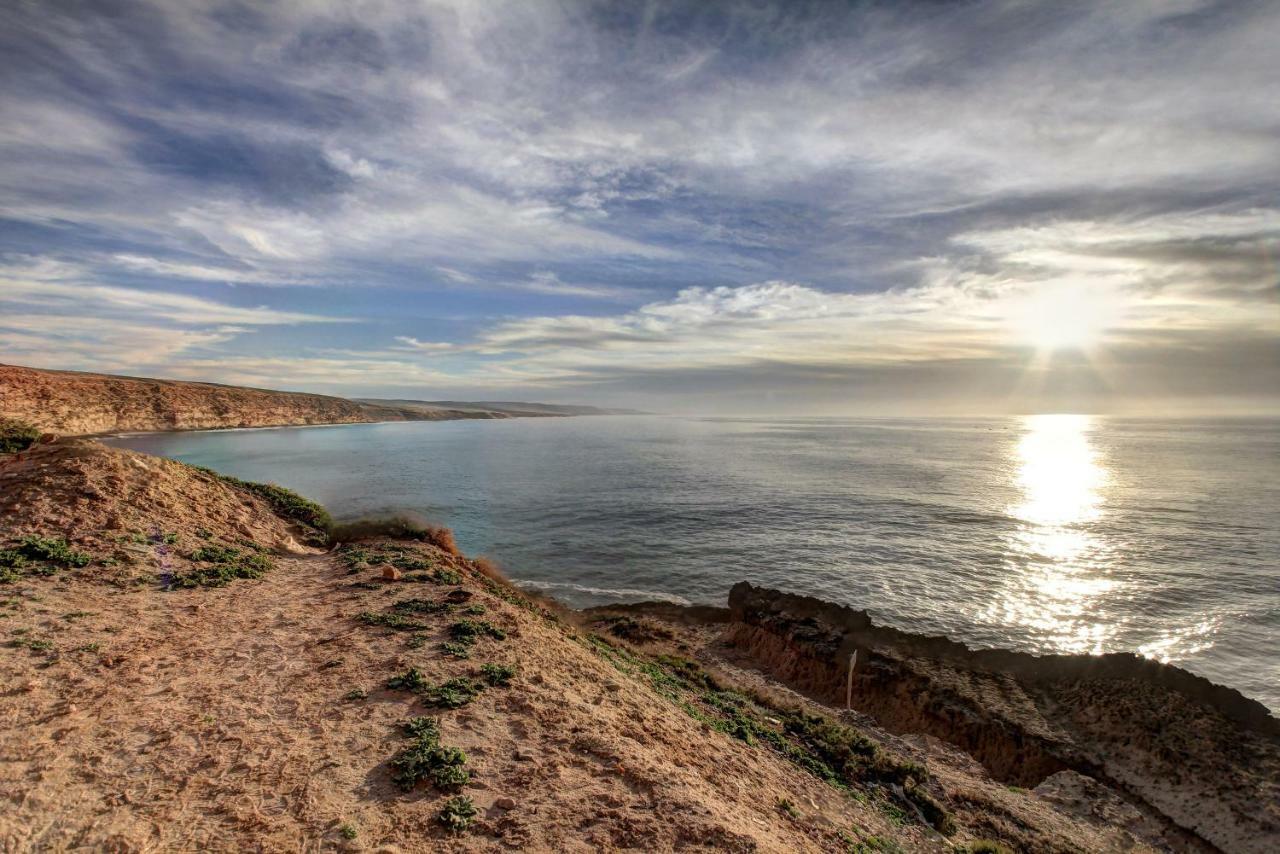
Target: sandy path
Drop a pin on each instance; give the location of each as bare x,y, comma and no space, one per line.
217,719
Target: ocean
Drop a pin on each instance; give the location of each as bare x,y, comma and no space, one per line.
1050,533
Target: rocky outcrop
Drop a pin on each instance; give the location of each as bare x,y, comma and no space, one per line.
1201,754
80,404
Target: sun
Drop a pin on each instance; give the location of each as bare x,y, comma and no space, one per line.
1063,317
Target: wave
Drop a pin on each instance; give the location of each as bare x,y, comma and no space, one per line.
613,592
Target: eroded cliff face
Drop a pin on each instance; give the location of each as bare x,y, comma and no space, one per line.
1203,755
81,404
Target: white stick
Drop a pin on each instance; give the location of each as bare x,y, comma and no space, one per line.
848,688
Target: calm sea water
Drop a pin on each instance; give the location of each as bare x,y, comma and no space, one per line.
1046,533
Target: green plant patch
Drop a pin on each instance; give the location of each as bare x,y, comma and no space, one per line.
498,675
422,606
469,630
453,694
426,760
16,436
285,503
458,813
218,566
838,754
411,680
421,727
456,649
33,644
399,622
54,550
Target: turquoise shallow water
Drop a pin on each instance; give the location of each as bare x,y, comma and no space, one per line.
1047,533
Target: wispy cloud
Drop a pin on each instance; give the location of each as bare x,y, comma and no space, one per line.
567,192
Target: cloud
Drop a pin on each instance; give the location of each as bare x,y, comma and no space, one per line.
586,191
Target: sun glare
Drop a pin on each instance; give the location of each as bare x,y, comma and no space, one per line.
1063,317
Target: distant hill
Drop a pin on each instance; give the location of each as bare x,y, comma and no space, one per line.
73,403
514,409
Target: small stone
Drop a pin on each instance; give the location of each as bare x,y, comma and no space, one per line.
390,573
524,755
505,803
612,686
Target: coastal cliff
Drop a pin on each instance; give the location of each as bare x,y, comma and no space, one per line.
73,403
1201,754
204,663
80,404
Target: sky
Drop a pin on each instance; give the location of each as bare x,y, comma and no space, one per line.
726,208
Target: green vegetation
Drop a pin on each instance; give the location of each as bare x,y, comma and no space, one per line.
465,633
638,631
840,755
453,694
348,831
870,845
498,675
33,555
458,813
220,566
788,807
457,650
32,644
422,606
411,680
987,846
426,759
285,502
475,610
52,549
356,694
16,436
399,622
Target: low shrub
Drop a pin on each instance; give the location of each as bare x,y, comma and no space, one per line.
396,528
498,675
427,759
399,622
16,436
453,694
411,680
456,649
469,630
55,550
988,846
220,565
285,502
422,606
458,813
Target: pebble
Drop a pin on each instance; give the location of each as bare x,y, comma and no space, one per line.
524,755
390,573
505,803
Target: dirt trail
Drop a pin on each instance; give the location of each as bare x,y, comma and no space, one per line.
217,719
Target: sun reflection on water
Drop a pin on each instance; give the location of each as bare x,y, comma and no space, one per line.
1058,570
